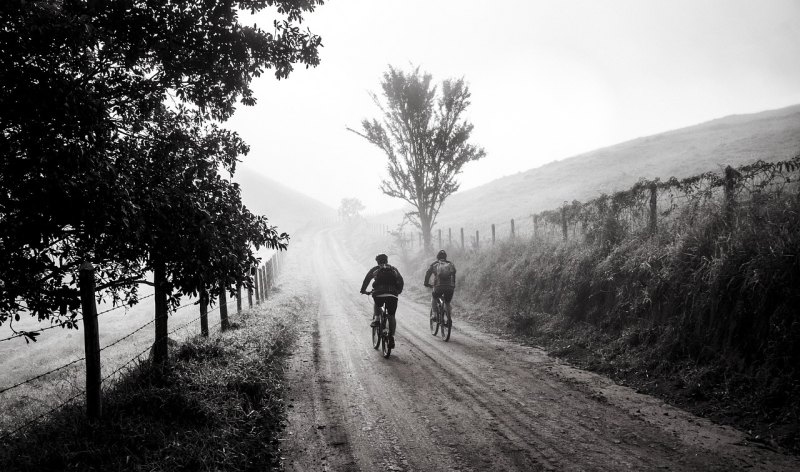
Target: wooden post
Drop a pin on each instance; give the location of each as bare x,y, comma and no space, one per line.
493,237
204,312
477,240
223,306
91,339
160,349
564,222
249,298
449,237
730,198
256,284
512,228
653,209
238,298
263,274
462,238
535,226
270,278
440,238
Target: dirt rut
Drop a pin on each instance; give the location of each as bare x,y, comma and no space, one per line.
475,403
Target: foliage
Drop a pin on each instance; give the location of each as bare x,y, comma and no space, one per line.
717,293
96,167
350,208
426,139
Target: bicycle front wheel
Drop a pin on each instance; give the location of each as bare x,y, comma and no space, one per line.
434,323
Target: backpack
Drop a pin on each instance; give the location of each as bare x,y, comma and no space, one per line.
445,272
385,276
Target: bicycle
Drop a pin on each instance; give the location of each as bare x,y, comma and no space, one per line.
441,319
380,333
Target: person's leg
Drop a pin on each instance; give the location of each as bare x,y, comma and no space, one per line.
448,297
435,294
376,311
391,308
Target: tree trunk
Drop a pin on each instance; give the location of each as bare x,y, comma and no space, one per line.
223,308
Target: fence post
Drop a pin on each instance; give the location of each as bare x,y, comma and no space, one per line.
238,298
730,198
91,339
249,298
440,238
223,306
512,228
535,226
263,274
462,238
653,208
477,240
450,237
564,222
204,311
160,349
256,284
493,238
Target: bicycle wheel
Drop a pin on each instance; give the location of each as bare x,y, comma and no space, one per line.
376,337
434,323
446,325
387,351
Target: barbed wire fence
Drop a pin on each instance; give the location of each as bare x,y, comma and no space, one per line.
264,280
672,205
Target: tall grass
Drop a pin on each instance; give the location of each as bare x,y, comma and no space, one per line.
217,407
720,293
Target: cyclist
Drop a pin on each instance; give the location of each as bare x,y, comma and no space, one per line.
444,280
387,286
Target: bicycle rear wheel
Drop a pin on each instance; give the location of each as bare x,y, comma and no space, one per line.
446,325
434,323
376,337
387,351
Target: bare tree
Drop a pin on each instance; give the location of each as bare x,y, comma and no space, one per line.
425,137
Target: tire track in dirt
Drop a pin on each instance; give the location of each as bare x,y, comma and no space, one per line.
474,403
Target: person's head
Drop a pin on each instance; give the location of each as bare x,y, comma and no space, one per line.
442,255
381,259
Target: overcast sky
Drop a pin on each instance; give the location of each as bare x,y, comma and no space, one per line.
549,79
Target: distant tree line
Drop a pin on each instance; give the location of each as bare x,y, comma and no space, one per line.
112,153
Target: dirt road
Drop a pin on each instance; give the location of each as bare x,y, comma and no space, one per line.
475,403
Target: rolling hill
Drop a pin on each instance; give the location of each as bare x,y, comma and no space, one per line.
289,210
733,140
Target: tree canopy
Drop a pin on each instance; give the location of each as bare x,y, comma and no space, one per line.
425,136
350,208
111,148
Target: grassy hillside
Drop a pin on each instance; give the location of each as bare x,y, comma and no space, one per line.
288,209
733,140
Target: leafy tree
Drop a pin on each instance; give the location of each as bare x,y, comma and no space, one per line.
425,137
350,208
80,83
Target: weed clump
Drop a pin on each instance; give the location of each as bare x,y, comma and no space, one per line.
217,406
707,311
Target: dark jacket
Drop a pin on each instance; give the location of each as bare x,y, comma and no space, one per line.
393,289
436,281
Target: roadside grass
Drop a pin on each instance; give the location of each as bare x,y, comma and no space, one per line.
705,317
218,406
